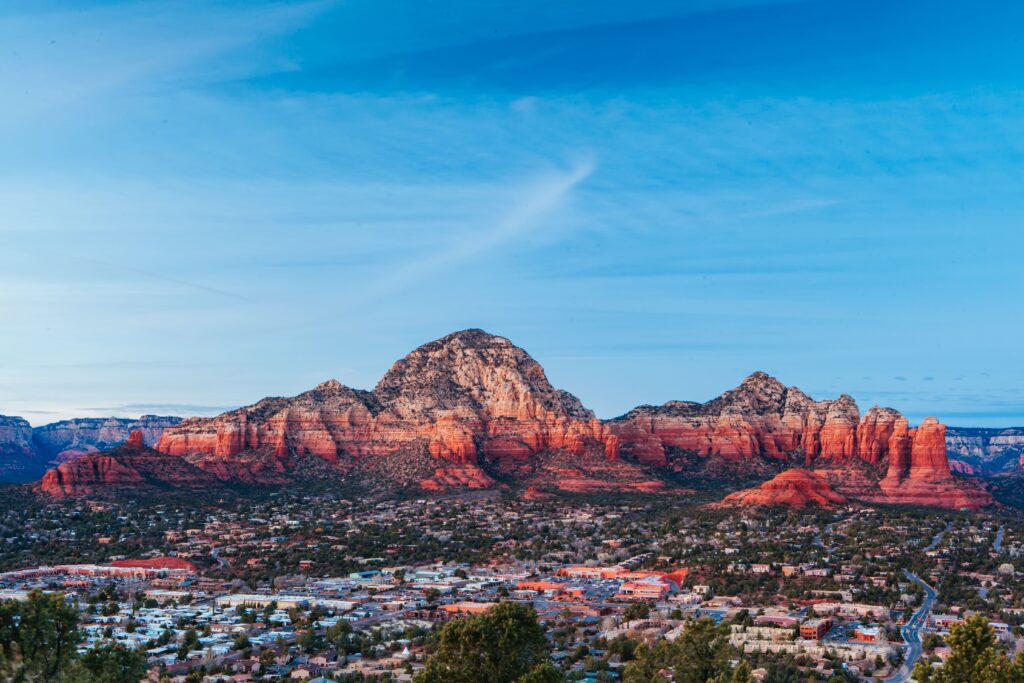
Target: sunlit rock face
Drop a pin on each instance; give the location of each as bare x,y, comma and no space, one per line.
66,440
919,472
761,417
795,488
472,409
131,467
469,400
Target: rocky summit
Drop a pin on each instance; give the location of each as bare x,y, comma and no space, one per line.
472,410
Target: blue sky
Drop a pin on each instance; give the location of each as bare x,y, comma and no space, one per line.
203,203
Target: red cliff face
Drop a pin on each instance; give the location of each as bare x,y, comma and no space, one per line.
468,400
793,488
131,467
919,472
471,408
760,418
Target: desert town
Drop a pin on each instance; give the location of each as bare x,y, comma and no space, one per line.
324,588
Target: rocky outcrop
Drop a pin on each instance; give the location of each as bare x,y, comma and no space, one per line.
919,472
26,452
63,441
471,400
796,488
471,410
760,418
131,467
18,461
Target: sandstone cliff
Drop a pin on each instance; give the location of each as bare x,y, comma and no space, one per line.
472,410
919,472
986,451
760,418
470,400
131,467
26,452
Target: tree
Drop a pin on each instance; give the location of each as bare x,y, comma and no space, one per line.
38,636
973,658
114,664
636,611
38,641
546,672
502,645
699,655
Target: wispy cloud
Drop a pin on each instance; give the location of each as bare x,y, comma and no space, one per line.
540,197
177,409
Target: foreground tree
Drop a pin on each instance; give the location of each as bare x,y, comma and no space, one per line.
700,655
973,659
38,643
506,644
38,637
112,664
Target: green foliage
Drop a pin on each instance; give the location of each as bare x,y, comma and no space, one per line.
545,672
701,654
38,637
114,664
973,658
502,645
636,611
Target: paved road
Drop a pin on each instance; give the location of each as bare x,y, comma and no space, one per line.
911,631
818,541
998,545
937,539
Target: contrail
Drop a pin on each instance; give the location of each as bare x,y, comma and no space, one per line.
541,198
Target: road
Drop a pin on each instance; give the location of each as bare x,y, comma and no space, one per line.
818,541
911,631
937,539
998,545
221,562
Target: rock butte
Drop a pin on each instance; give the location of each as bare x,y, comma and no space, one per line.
132,465
470,408
792,488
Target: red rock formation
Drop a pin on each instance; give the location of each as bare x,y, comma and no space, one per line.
458,476
470,399
875,432
471,407
920,474
60,442
761,417
793,488
128,467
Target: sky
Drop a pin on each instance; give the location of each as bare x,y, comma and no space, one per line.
205,203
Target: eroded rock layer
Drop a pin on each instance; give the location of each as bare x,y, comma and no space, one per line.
471,410
470,400
131,467
793,488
